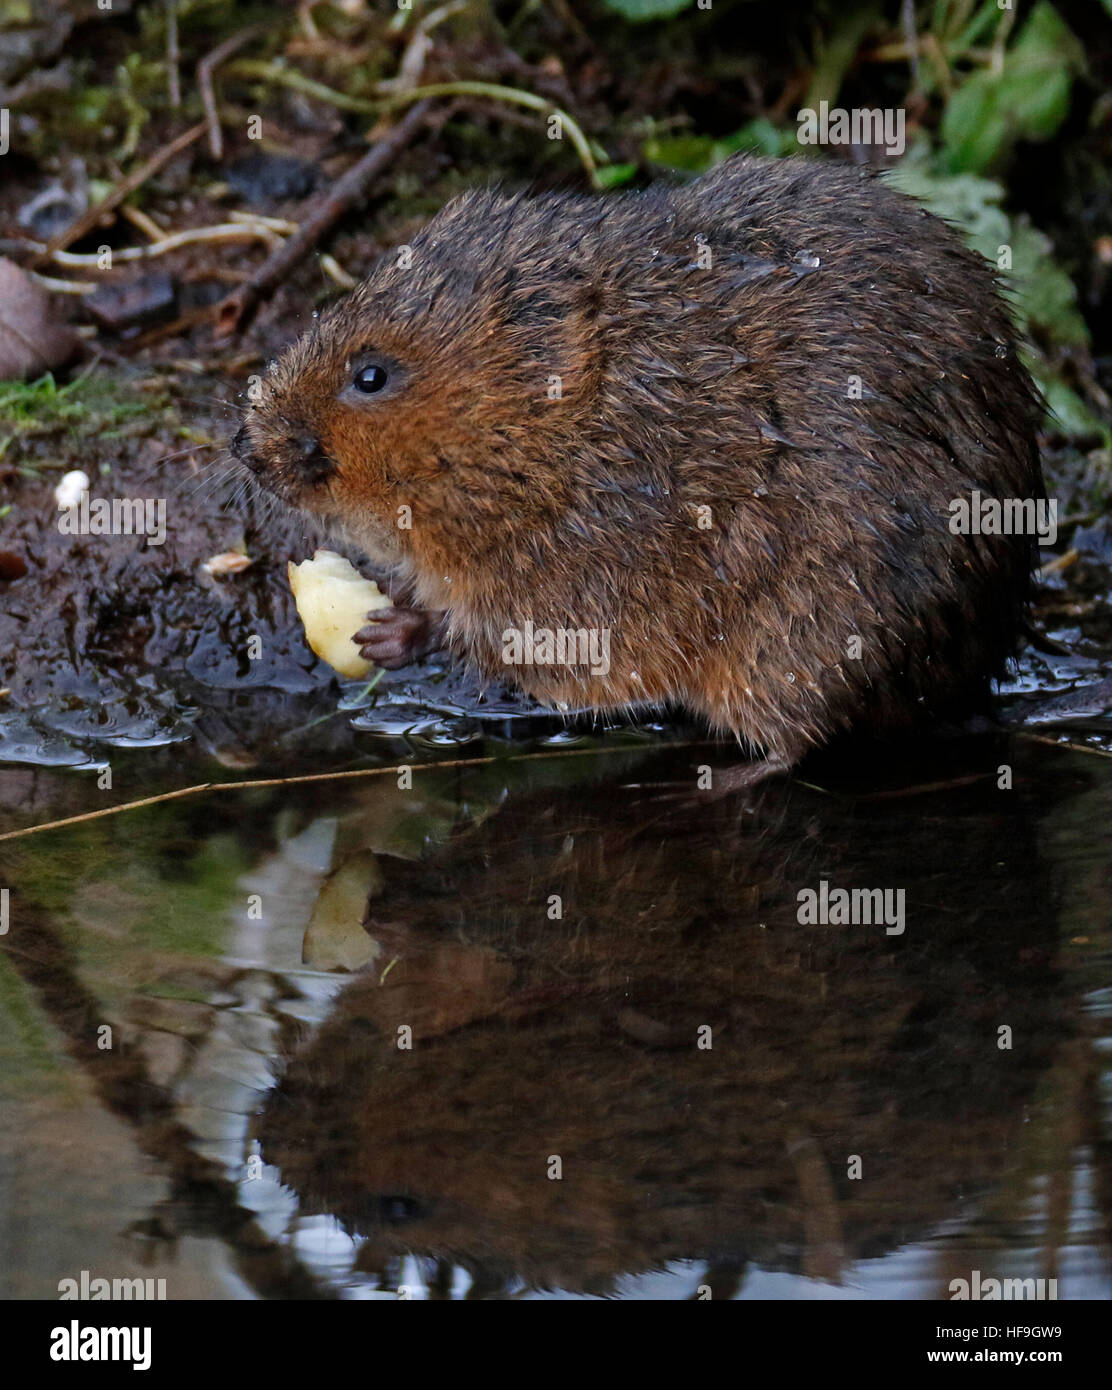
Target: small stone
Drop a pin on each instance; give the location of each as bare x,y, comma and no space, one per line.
271,178
127,303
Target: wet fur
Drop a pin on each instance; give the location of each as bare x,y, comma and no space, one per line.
685,387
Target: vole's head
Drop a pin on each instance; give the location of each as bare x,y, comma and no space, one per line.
440,387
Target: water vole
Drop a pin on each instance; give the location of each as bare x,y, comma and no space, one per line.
722,424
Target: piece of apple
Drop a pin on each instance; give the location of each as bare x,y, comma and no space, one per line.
333,600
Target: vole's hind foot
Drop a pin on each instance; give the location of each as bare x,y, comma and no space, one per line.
396,637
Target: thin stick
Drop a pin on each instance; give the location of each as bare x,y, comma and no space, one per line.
147,225
1063,743
173,241
392,98
63,286
173,55
205,68
236,311
90,219
296,81
329,777
515,96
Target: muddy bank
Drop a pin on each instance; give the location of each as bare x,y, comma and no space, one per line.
113,641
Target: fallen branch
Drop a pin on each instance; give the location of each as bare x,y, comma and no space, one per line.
236,311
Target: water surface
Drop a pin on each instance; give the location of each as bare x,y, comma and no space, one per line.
543,1028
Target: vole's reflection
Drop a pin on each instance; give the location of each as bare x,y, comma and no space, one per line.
563,967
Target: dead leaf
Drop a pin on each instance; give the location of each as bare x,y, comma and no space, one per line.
34,338
230,562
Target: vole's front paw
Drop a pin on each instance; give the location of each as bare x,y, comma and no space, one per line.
396,637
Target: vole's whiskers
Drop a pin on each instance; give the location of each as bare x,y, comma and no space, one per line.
189,449
203,402
218,473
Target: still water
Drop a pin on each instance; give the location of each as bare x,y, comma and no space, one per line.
547,1028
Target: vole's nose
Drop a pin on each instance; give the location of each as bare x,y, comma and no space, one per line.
314,463
241,448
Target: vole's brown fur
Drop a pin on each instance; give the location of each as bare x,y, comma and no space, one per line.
639,413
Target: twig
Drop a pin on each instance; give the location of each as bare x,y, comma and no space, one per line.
305,15
205,68
237,310
1065,561
63,286
391,99
345,775
147,225
335,271
171,241
269,71
516,96
1060,743
192,318
90,219
173,55
276,224
907,17
412,63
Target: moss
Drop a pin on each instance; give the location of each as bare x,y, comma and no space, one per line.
53,426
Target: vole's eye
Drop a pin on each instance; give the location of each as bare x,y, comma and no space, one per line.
370,379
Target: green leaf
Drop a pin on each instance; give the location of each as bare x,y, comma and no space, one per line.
974,130
970,201
759,136
690,152
1066,408
641,11
1045,295
615,175
1028,99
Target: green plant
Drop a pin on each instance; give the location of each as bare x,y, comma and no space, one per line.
1023,94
